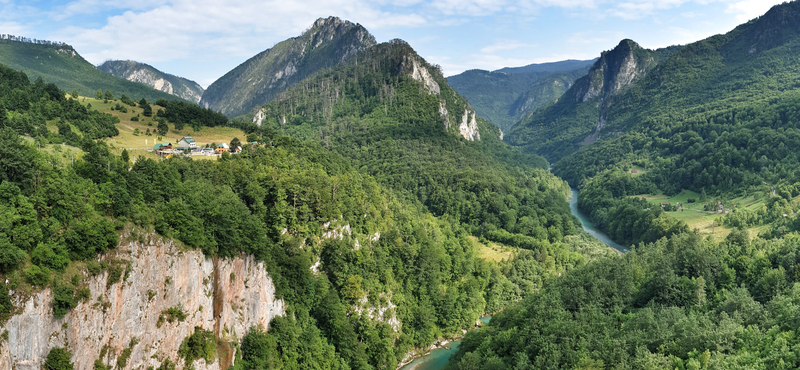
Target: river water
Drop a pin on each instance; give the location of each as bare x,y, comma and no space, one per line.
438,358
588,226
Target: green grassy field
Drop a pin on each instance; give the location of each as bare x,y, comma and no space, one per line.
493,251
705,222
142,144
639,171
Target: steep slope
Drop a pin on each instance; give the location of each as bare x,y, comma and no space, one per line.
126,318
579,116
717,118
148,75
255,82
505,96
61,64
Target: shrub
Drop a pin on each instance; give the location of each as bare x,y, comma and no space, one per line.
58,359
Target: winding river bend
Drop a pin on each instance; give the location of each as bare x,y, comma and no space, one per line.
588,226
438,358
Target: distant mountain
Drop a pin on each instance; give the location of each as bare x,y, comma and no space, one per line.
506,96
60,64
150,76
561,66
579,116
255,82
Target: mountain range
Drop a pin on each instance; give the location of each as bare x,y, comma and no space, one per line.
374,211
258,80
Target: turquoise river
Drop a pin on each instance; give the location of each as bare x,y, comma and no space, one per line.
589,226
437,359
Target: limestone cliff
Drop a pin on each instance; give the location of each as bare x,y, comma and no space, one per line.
614,70
227,296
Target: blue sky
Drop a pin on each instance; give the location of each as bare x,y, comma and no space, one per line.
203,39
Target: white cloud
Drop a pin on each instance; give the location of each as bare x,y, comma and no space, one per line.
13,28
501,45
184,27
748,9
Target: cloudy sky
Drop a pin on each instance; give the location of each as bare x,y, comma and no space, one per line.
203,39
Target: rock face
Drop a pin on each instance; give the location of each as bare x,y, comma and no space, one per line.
150,76
328,42
227,296
421,74
614,70
468,126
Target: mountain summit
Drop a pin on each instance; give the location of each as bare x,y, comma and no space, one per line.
255,82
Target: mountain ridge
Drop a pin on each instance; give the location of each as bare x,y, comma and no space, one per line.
578,118
148,75
61,64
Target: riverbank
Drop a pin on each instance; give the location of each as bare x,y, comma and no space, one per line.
588,226
438,354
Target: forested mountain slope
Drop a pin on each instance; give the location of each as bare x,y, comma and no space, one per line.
717,117
60,64
148,75
395,116
328,42
506,95
370,267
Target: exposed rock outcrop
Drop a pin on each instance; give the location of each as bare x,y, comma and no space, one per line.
421,74
615,70
159,276
468,126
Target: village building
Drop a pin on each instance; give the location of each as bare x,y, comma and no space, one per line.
222,148
186,143
162,148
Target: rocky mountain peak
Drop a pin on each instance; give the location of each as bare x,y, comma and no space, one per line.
616,69
327,43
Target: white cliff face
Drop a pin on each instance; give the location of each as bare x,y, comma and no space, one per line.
259,117
421,74
468,127
444,114
161,276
